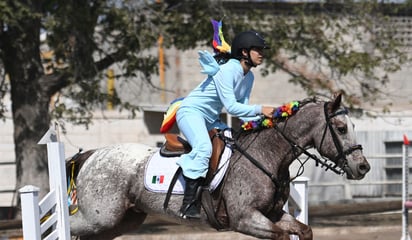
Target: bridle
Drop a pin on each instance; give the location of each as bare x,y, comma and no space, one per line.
341,153
324,162
297,150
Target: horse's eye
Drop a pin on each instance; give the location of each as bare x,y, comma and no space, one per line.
342,130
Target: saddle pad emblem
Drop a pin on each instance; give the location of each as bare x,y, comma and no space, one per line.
159,179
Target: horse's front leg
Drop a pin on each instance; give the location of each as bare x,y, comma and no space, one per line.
253,222
289,224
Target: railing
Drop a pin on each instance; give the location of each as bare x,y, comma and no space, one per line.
299,199
406,203
50,216
348,186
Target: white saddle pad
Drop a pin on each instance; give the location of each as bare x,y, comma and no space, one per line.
160,171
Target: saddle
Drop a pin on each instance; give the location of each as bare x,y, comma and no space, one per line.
176,146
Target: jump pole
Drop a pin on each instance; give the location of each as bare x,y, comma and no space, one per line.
406,204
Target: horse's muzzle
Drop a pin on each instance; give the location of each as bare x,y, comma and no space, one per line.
358,171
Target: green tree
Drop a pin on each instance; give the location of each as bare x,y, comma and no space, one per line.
321,46
87,37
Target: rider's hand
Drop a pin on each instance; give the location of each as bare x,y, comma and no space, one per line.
208,63
268,111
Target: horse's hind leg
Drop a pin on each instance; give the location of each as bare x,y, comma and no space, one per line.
79,225
131,221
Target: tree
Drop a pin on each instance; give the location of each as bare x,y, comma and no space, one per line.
309,41
77,32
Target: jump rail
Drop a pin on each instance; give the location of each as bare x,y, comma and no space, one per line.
299,199
406,204
49,218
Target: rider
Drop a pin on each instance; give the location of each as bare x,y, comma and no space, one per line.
199,112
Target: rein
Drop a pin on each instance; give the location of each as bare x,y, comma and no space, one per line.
322,162
260,166
342,154
253,160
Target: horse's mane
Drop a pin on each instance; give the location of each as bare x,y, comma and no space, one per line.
305,101
260,125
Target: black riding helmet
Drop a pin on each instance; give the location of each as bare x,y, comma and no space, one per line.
247,40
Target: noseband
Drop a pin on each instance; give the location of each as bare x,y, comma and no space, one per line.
341,153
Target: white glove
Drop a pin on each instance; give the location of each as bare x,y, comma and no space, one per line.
208,63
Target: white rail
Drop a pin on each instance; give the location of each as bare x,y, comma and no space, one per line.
52,210
299,199
406,203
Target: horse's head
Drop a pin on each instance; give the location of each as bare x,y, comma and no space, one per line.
338,141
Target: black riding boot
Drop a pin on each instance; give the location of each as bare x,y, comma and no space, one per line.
191,202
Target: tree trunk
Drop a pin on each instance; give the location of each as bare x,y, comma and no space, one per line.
31,120
30,102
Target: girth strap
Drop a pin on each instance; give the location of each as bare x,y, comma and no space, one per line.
171,186
210,212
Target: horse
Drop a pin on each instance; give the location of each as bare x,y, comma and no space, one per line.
112,198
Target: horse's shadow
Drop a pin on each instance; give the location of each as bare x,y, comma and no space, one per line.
154,225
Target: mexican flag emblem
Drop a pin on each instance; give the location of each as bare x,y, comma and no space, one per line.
158,179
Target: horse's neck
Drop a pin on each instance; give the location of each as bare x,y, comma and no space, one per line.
273,148
299,134
270,149
298,130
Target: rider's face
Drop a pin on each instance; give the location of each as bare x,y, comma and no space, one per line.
256,55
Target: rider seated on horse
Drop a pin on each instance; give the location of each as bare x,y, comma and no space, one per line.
229,86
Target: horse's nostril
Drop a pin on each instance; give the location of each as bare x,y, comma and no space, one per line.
363,168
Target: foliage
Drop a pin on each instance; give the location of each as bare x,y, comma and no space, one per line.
345,46
325,47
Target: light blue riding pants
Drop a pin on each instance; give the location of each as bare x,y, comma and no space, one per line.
195,129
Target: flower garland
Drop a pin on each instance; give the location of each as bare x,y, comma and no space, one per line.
281,112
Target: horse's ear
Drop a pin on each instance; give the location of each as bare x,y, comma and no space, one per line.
336,103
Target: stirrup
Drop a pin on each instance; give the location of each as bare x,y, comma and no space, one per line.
191,207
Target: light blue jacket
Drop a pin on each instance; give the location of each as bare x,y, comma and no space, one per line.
228,88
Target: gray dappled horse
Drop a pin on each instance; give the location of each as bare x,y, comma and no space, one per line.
113,199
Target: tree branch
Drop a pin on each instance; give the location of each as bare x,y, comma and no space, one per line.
109,60
52,83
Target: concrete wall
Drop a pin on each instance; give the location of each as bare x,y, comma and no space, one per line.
7,166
